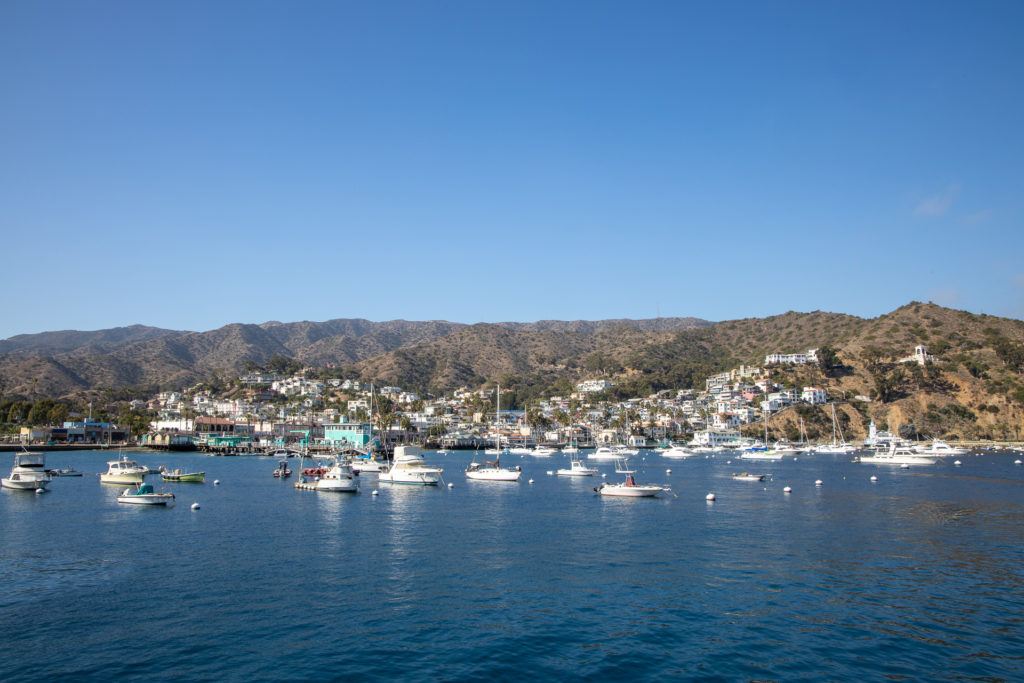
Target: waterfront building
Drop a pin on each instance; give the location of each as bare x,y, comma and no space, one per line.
814,396
348,434
729,438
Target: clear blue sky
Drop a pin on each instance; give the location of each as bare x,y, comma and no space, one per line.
190,164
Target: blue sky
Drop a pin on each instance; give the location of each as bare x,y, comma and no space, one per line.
190,164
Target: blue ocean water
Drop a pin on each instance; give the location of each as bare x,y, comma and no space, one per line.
919,575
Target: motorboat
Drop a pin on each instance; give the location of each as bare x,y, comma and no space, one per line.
763,454
940,448
408,467
145,495
625,451
629,489
285,453
895,455
368,465
496,451
677,452
124,471
747,476
338,478
29,472
604,453
577,469
180,477
543,452
493,471
65,472
570,449
520,450
282,471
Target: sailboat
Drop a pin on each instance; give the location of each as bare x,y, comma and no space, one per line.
497,450
493,471
838,446
763,452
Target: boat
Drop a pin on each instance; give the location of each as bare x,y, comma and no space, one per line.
759,451
604,453
521,450
124,471
577,469
940,448
285,453
145,495
677,452
629,489
492,471
368,464
838,445
65,472
282,471
895,455
176,475
543,452
625,451
29,472
408,467
747,476
339,478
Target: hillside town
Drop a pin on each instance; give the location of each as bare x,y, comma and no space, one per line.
261,411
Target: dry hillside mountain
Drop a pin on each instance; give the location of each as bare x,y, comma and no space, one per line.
973,387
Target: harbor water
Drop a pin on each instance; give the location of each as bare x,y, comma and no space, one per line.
918,575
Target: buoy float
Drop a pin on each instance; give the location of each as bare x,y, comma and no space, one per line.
550,472
728,462
818,482
905,466
530,482
788,489
710,497
40,490
795,458
957,462
195,506
668,471
604,476
450,485
374,492
874,478
1016,462
216,482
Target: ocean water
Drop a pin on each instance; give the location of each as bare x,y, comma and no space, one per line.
918,576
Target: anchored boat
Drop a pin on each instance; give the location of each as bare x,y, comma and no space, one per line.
29,472
145,495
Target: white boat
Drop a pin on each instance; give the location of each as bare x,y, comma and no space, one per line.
570,449
940,448
625,451
145,495
746,476
677,452
285,453
338,478
520,450
29,472
408,467
492,471
368,465
604,453
630,489
896,455
838,445
543,452
577,469
763,454
124,471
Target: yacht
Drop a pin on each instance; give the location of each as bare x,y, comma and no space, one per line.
747,476
896,455
605,453
940,448
408,467
543,452
369,465
625,451
677,452
124,471
339,478
630,489
577,469
29,472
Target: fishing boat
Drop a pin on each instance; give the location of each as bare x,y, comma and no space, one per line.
408,467
577,469
629,489
747,476
145,495
177,476
124,471
29,472
282,471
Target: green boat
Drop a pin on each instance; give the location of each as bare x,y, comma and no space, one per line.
183,477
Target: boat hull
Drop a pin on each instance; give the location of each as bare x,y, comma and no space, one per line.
619,491
494,475
122,478
23,484
148,499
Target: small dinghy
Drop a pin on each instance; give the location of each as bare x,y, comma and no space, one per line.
180,477
282,471
65,472
747,476
145,495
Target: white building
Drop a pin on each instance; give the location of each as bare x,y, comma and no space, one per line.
594,385
920,356
711,437
814,396
792,358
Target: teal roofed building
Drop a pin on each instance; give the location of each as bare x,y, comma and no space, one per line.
348,434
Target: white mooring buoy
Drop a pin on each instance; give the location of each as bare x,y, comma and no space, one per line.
874,478
788,489
195,506
375,492
216,482
710,498
957,462
530,482
905,466
818,482
451,485
1016,462
668,471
